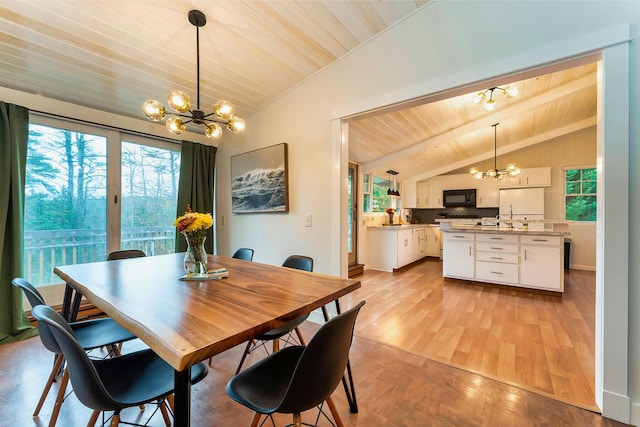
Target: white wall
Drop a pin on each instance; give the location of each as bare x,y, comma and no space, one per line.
440,47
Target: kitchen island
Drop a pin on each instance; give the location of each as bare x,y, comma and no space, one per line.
395,246
506,255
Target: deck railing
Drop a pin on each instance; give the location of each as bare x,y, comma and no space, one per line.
49,248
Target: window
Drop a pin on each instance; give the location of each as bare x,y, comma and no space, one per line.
72,181
580,194
149,196
380,200
375,197
366,190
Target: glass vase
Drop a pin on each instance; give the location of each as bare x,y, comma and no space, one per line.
390,218
195,258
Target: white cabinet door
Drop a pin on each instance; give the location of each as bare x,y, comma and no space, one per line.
405,248
422,194
432,241
541,267
536,177
488,193
435,194
409,195
533,177
419,243
429,193
458,259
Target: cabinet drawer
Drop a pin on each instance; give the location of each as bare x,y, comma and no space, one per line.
497,247
497,272
508,238
540,240
511,258
460,237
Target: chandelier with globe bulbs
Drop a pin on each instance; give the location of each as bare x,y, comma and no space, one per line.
510,171
222,112
486,96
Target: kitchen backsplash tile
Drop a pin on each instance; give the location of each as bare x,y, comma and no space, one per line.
429,216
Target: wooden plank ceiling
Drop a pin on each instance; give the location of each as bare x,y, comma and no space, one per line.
112,56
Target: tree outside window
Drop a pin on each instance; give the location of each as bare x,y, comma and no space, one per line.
380,200
580,194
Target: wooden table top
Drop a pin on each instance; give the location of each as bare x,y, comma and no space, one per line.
185,322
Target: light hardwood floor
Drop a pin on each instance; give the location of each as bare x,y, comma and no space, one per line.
395,387
540,342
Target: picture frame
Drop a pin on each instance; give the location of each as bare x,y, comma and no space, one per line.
260,180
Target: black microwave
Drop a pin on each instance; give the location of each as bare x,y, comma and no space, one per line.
451,198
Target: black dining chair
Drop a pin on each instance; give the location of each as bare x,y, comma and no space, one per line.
243,253
91,334
298,378
125,253
126,381
298,262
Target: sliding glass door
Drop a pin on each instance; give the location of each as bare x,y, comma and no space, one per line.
89,191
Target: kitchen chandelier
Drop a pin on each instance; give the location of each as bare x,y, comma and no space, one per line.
510,170
394,192
489,104
179,101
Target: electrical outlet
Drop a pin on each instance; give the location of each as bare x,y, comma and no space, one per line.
307,220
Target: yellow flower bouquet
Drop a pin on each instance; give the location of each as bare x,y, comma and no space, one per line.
193,226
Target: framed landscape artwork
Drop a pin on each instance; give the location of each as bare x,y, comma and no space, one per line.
259,180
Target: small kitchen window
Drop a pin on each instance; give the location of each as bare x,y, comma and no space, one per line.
580,191
366,191
380,200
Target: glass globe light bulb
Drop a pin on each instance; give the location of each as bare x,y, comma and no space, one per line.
511,91
479,175
490,105
175,125
223,109
213,131
492,173
153,110
236,124
513,170
478,98
474,171
178,101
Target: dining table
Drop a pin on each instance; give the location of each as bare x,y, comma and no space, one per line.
188,321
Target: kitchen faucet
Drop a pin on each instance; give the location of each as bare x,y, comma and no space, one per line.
511,216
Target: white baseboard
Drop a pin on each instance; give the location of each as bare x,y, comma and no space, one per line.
635,414
617,407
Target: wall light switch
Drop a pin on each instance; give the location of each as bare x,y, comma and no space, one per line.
307,220
224,220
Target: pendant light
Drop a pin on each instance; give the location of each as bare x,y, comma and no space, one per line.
510,170
222,111
392,192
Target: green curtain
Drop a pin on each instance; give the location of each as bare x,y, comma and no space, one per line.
14,134
197,171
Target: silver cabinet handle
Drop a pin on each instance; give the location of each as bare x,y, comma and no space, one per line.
459,237
496,238
469,250
496,257
540,240
525,254
496,272
497,249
